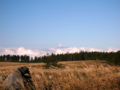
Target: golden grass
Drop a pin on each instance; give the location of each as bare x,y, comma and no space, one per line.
76,75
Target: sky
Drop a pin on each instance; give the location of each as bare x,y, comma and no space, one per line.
37,27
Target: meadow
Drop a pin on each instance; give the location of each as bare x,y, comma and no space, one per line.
74,75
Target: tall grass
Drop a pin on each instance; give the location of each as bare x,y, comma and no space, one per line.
87,75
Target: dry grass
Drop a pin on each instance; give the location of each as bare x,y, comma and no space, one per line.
77,75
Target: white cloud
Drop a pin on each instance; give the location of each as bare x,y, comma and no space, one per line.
32,53
23,51
19,51
60,45
72,49
110,49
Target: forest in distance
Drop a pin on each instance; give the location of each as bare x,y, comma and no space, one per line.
110,57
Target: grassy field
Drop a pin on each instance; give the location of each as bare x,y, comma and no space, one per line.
75,75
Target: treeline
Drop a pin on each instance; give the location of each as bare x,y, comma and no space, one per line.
111,57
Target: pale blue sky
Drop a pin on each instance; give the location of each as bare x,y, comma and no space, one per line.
40,24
